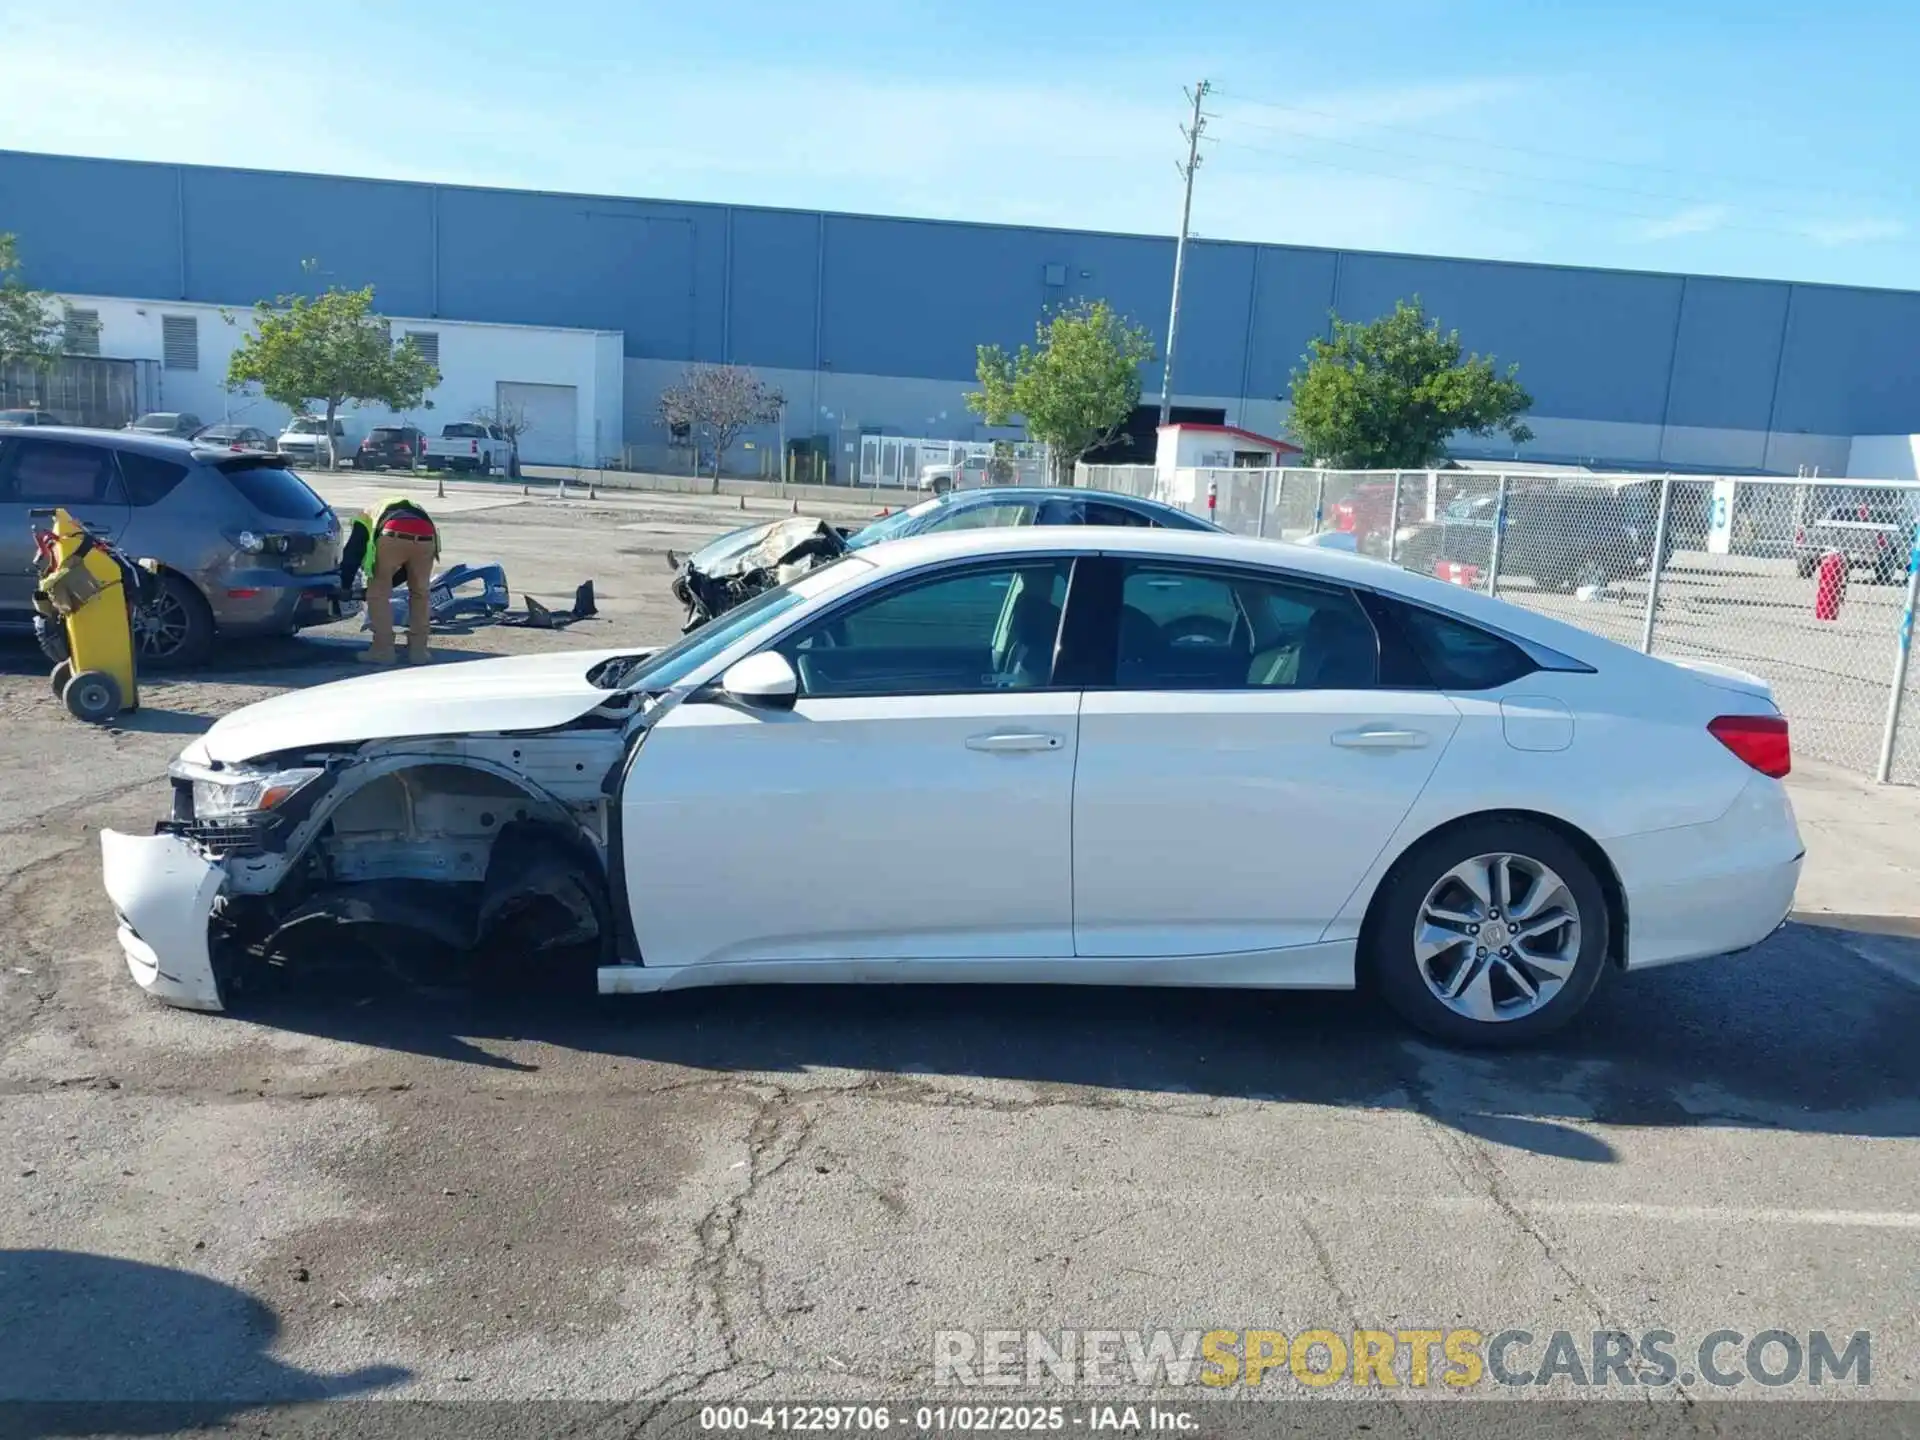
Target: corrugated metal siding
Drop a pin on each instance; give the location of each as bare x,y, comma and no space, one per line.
1852,364
1727,354
912,299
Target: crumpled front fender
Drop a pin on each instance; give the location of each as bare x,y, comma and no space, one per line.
163,891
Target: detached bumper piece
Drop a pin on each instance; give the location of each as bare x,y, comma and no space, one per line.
163,892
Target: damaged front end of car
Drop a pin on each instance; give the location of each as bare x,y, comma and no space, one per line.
739,566
476,860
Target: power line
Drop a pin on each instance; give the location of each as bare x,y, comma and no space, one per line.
1518,174
1192,132
1694,174
1454,185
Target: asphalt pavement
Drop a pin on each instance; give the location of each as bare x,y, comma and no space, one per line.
356,1191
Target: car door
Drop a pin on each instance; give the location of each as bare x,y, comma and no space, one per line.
915,803
1240,769
37,474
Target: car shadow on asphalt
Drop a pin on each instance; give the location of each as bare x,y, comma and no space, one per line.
94,1344
1799,1034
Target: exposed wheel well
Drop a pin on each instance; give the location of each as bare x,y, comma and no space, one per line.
1590,851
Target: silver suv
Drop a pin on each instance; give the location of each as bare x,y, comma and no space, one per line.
245,547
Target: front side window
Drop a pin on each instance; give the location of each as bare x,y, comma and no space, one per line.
984,629
1182,628
57,472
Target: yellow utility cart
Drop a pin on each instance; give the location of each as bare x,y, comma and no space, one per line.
84,597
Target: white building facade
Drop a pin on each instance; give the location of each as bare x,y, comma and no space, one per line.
568,384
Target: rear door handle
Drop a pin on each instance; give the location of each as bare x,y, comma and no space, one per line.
1014,742
1379,737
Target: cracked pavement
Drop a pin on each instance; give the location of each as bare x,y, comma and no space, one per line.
777,1193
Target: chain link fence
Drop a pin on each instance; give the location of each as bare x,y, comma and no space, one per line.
1810,584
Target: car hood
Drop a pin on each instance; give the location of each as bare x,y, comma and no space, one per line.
522,692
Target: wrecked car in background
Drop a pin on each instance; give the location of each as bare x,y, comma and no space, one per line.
754,558
744,562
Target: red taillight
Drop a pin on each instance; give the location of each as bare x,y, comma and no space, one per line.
476,446
1800,536
1760,740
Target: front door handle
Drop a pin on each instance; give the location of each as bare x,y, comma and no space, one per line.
1380,737
1014,742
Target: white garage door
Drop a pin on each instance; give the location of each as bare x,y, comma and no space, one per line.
552,415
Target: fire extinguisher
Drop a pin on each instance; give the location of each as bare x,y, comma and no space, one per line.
1830,588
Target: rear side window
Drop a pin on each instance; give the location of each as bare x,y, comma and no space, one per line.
148,478
272,489
1455,655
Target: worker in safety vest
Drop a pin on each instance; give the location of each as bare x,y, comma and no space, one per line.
396,537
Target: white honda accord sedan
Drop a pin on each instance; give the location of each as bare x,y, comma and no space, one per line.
1129,757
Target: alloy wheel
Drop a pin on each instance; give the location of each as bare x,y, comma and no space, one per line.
1497,937
162,626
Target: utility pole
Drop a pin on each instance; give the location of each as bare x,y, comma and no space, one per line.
1192,132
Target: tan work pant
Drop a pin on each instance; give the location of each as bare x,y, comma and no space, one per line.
391,555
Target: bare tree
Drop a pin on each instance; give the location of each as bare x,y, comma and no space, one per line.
719,401
511,421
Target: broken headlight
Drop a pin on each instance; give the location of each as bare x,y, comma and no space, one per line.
236,795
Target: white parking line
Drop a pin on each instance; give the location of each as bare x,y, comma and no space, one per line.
1898,958
1724,1214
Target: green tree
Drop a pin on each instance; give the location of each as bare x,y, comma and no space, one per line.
30,326
1386,396
1074,386
324,350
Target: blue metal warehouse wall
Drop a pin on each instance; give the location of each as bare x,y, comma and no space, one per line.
1624,366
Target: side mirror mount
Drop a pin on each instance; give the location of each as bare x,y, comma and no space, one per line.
765,681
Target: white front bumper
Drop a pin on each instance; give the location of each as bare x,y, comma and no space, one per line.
163,891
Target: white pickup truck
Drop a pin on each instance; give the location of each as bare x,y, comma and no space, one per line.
470,445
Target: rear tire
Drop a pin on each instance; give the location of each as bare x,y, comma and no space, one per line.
1805,565
175,629
1543,876
485,467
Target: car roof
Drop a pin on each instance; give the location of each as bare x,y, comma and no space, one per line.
166,447
1039,493
1336,567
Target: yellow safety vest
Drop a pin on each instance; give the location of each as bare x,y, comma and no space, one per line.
371,520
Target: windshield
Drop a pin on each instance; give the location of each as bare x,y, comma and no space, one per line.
669,667
898,524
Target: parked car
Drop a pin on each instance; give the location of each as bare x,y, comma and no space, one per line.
245,547
471,445
1365,512
966,473
390,447
249,439
29,417
304,441
1076,755
1561,537
1876,535
744,562
180,424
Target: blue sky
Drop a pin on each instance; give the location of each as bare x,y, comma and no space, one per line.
1757,138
